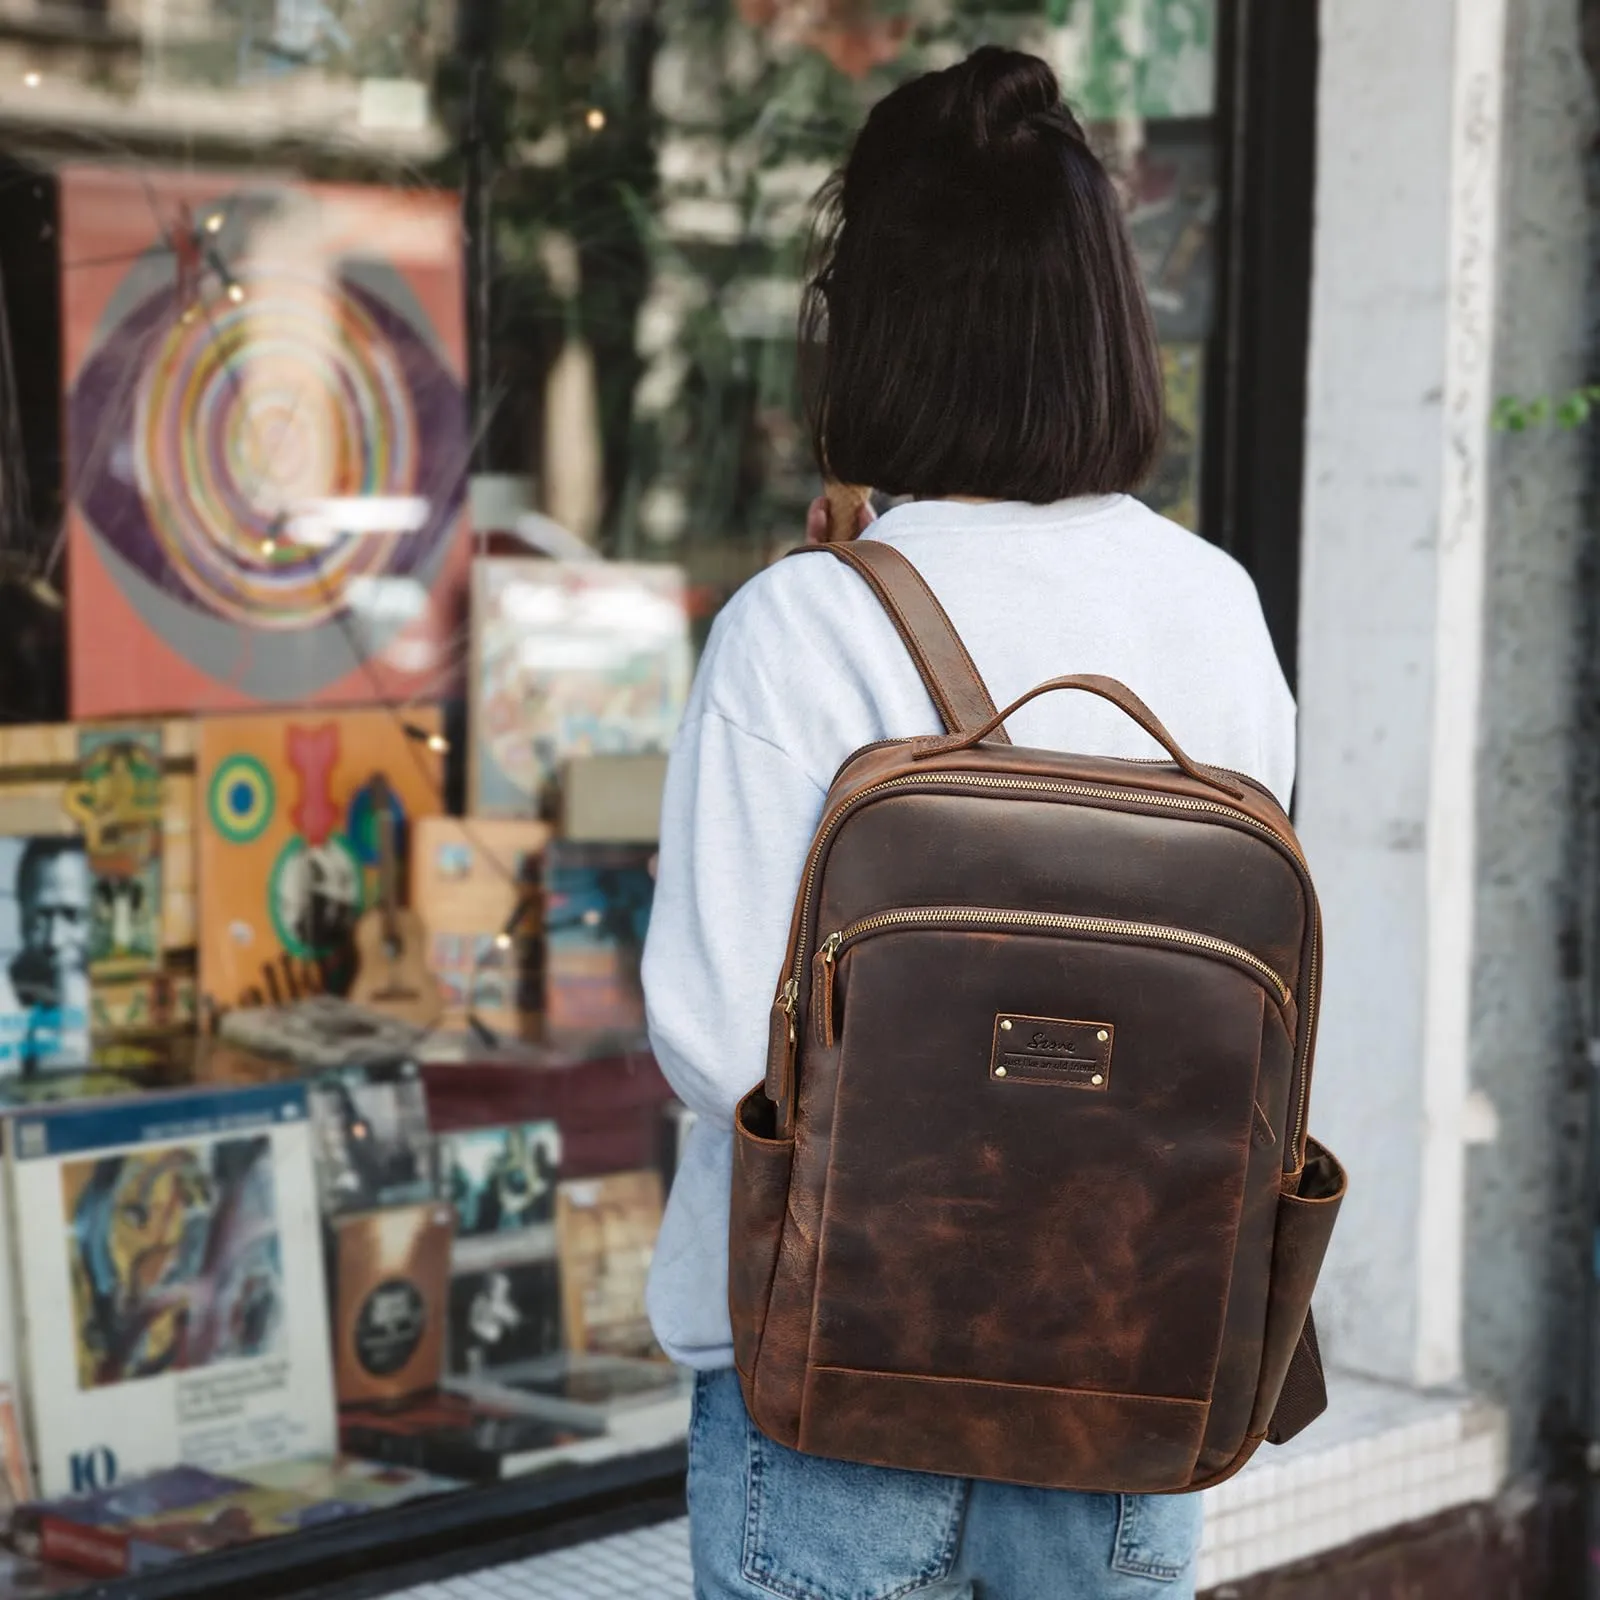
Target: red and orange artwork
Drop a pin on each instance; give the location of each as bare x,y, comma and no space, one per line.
266,441
289,838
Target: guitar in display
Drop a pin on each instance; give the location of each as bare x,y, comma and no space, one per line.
391,944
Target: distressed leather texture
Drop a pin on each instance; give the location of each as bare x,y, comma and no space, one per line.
1027,1192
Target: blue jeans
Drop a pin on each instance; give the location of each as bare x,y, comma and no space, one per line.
765,1521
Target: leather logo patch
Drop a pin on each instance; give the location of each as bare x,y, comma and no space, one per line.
1070,1055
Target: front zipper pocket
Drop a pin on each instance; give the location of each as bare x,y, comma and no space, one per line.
1030,922
1040,1135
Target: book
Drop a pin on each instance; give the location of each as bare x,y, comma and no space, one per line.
172,1283
349,1480
606,1234
504,1314
46,906
473,882
157,1520
502,1183
392,1281
613,799
603,1385
372,1141
637,1403
459,1436
569,658
320,1031
597,910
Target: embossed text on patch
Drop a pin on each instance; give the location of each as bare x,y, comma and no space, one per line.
1053,1050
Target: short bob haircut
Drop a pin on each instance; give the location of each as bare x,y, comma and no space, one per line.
973,320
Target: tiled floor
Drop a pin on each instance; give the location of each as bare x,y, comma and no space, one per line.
649,1564
1382,1456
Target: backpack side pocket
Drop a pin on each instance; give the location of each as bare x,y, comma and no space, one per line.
1306,1214
762,1165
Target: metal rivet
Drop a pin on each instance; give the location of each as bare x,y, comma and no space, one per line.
999,1072
1102,1036
1098,1079
1005,1022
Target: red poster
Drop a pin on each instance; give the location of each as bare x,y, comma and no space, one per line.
266,441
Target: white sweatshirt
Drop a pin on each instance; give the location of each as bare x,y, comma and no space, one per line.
802,668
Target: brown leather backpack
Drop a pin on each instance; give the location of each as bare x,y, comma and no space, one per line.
1027,1193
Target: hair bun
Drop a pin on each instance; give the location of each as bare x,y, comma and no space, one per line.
997,98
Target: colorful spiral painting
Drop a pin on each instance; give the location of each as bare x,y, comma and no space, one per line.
291,395
253,374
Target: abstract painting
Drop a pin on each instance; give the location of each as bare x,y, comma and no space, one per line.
289,836
266,441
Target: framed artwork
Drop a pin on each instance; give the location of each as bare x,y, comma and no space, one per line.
289,837
266,441
119,802
472,881
570,658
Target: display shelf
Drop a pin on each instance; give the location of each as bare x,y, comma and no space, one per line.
390,1549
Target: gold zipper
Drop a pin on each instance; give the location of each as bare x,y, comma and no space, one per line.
1055,922
1093,791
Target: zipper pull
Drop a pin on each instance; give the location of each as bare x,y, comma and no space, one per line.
822,989
781,1046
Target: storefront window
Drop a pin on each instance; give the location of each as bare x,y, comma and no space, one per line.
655,261
389,396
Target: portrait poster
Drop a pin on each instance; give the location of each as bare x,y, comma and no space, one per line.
289,836
172,1270
472,882
266,440
570,658
46,895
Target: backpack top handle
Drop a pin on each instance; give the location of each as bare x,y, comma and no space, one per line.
1118,693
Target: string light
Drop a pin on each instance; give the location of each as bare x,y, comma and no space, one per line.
236,293
502,941
269,547
434,741
214,222
595,119
32,79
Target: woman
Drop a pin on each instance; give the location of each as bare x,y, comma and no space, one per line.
984,347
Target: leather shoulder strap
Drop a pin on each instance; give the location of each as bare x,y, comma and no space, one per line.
947,670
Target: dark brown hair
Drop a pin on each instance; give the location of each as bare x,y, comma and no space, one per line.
973,320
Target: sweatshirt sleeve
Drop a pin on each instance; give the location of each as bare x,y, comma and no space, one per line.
736,820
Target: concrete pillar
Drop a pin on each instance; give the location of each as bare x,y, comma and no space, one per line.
1391,644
